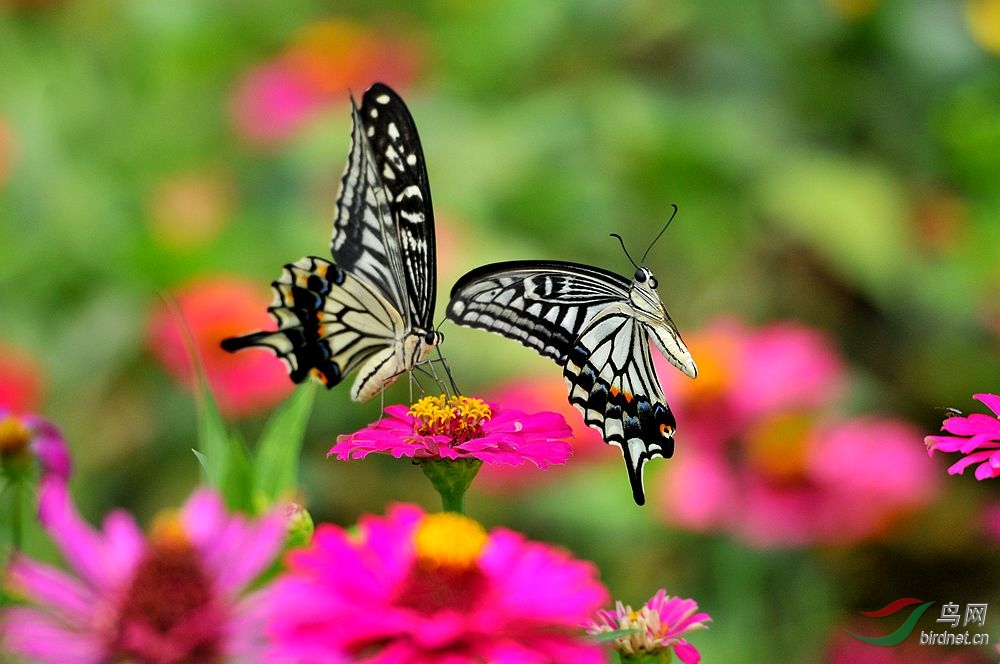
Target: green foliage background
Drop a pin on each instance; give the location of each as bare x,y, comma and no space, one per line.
837,169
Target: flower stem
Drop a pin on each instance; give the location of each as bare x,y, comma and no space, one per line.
451,479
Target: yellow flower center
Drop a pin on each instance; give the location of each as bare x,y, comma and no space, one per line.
779,446
168,532
460,418
449,540
14,436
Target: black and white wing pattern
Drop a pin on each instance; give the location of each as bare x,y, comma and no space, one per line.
597,325
372,308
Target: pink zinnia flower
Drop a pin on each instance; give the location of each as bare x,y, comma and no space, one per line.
175,596
746,374
461,428
976,436
214,308
546,393
661,624
794,481
431,589
27,438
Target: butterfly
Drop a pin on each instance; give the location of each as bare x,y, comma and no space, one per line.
597,325
371,308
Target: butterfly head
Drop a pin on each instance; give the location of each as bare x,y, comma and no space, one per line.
643,275
432,338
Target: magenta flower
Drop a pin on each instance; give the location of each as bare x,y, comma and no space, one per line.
976,436
28,438
461,428
661,625
173,597
431,589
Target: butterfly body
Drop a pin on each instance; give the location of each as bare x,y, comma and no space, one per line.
598,326
370,309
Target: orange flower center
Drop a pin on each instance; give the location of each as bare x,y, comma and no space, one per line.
778,447
460,418
169,614
14,437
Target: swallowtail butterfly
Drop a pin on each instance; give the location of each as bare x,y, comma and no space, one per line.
371,309
597,325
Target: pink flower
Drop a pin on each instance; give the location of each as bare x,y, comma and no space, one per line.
214,308
174,596
793,481
746,374
661,624
322,64
976,436
270,104
431,589
549,394
24,438
460,428
767,457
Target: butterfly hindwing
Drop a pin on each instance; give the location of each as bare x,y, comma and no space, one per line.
329,322
612,382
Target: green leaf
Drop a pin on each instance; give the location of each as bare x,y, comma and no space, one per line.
213,438
278,450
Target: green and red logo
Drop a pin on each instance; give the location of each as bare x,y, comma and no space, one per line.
904,630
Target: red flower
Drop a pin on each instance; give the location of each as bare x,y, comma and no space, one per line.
20,380
214,308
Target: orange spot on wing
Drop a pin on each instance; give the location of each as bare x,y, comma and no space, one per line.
666,430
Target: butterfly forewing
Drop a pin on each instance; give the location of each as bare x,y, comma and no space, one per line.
543,305
588,321
399,161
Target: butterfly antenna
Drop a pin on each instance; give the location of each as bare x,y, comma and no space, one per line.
627,255
662,231
447,370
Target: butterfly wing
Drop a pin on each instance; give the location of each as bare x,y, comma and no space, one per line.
583,318
612,382
383,230
329,322
541,304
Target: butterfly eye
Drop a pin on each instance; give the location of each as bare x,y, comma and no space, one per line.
430,338
640,275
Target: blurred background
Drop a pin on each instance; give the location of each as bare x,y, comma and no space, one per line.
833,267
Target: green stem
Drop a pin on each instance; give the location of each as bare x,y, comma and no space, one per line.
451,479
